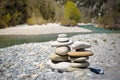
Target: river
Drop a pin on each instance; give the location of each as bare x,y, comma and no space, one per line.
10,40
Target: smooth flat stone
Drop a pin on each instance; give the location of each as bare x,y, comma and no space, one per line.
61,66
80,54
78,59
56,43
62,35
67,66
80,65
55,57
62,39
62,50
80,44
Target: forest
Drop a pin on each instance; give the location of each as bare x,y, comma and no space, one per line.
105,13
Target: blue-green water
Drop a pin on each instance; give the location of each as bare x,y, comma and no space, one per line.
100,30
9,40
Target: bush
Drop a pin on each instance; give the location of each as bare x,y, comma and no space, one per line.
109,21
5,21
33,21
47,9
58,12
30,21
71,13
12,12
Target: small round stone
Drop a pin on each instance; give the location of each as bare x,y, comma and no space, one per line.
62,35
55,57
62,50
57,44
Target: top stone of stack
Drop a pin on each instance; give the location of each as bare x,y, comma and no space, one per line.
62,40
62,35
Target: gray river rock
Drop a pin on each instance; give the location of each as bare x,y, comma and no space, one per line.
57,44
62,50
80,44
62,39
56,57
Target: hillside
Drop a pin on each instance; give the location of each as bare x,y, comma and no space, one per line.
68,12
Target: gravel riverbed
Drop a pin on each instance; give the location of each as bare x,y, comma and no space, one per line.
28,61
49,28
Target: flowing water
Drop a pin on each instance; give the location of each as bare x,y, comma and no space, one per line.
9,40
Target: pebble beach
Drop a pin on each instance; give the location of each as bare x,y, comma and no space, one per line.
29,61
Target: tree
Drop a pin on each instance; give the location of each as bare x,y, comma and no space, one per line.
47,10
71,12
12,12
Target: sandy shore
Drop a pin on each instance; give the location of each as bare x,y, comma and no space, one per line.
40,29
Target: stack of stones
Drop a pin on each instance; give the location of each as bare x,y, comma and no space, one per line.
61,49
69,56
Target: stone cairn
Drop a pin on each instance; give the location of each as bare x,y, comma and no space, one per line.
69,55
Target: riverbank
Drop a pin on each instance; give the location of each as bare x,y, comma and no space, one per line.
49,28
28,61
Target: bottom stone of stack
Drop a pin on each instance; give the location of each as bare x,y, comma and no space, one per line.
56,57
67,66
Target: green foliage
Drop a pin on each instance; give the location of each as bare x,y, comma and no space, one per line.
106,20
5,20
71,12
47,10
33,21
16,18
109,20
59,9
116,17
68,12
40,10
30,21
12,12
33,11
